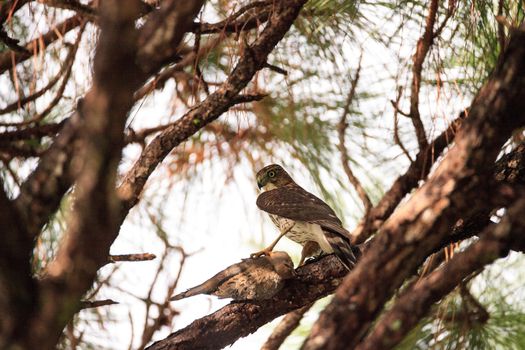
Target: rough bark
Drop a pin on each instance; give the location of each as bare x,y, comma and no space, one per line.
239,319
415,302
17,299
98,213
41,193
414,231
94,224
215,104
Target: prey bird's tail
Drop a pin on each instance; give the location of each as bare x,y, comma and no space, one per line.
342,248
211,285
204,288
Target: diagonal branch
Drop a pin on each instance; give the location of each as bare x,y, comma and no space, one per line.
415,302
213,106
238,319
415,230
310,277
41,193
239,21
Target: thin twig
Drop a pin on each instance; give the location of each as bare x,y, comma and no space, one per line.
86,11
165,312
234,24
131,257
275,69
133,136
85,304
450,11
64,73
423,45
501,28
341,128
397,139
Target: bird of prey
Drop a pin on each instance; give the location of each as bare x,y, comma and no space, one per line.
252,279
301,216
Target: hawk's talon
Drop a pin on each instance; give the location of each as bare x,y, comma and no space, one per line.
264,252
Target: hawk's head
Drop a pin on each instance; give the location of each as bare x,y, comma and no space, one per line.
272,176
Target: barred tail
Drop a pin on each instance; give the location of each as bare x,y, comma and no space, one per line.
342,248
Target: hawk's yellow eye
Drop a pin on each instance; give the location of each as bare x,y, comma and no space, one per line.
271,173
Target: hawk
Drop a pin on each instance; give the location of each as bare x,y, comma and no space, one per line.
301,216
251,279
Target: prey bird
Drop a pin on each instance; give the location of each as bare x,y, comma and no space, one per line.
252,279
302,217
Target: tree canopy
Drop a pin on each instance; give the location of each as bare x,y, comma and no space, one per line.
125,122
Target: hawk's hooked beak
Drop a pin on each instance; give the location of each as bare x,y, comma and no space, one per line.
261,180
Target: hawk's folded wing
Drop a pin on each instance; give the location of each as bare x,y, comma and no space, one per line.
296,203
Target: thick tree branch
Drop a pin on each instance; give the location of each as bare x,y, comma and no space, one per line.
32,132
238,319
17,296
41,193
512,166
213,106
415,302
95,222
416,229
165,27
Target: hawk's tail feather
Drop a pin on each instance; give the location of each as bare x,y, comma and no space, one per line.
342,249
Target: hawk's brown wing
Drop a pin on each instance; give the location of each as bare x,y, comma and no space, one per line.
295,203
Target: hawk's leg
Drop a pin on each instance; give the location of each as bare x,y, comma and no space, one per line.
309,249
268,250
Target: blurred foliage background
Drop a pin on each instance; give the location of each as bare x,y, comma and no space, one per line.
198,212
